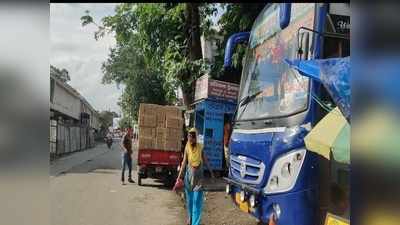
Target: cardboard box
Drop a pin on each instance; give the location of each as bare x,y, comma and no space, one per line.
147,132
153,131
173,145
161,123
173,134
147,121
174,122
141,111
146,143
160,143
161,132
147,109
179,113
160,117
172,111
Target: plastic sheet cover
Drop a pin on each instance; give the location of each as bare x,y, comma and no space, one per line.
334,73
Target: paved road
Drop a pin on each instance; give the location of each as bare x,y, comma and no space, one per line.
86,190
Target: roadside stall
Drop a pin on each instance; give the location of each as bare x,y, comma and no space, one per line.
214,106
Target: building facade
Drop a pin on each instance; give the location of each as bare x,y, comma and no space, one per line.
74,123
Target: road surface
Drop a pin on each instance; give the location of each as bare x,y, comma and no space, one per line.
86,190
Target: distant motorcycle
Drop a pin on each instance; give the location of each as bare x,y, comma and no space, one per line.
109,142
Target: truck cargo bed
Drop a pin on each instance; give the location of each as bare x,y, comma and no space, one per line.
158,157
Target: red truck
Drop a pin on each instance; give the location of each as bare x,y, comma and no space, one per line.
158,164
160,142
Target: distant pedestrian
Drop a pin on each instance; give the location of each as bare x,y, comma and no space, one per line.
109,140
126,145
193,162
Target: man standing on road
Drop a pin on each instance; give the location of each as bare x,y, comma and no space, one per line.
126,145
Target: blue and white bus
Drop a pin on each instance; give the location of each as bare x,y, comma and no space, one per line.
271,172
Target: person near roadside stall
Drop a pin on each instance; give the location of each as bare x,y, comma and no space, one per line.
126,145
227,132
193,161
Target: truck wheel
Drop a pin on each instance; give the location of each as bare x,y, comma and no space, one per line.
139,180
169,182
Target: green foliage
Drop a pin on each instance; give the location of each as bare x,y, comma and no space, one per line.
237,18
207,10
151,51
123,122
61,74
106,119
86,19
143,83
145,89
157,49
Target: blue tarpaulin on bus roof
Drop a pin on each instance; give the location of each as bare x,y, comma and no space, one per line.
333,73
308,68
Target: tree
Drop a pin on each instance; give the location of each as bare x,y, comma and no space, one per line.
144,89
61,74
124,122
143,84
158,48
106,119
238,17
167,40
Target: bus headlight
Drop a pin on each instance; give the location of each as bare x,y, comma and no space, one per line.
285,171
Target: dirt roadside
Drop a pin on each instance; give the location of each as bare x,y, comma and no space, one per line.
220,210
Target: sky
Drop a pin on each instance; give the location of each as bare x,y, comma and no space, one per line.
74,48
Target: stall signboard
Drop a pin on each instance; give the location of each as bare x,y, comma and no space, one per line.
215,89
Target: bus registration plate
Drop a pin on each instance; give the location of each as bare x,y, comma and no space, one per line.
335,220
244,206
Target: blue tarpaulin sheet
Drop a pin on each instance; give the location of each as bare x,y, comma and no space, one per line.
308,68
333,73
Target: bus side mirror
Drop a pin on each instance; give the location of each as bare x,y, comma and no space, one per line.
231,44
284,14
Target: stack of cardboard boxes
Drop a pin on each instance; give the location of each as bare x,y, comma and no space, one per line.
160,127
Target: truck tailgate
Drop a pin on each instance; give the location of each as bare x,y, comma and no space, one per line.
158,157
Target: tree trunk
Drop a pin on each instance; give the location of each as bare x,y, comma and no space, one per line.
188,95
192,32
194,43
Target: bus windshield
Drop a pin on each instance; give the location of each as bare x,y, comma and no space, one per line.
283,90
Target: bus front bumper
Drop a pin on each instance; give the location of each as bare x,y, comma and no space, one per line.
290,208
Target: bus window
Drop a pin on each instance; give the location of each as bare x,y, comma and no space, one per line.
327,102
338,22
